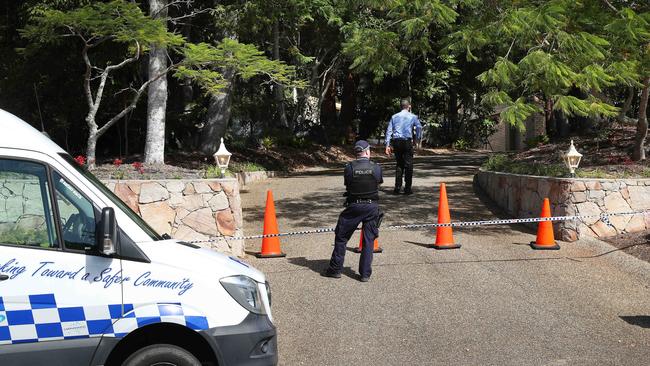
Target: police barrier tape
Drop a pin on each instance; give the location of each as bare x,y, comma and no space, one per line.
604,217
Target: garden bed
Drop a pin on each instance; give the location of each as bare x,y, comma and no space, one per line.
605,155
180,165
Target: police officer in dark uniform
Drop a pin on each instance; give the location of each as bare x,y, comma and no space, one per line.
362,179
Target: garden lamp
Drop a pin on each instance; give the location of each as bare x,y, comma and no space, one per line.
572,159
222,158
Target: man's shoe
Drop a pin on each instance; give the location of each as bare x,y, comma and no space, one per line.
364,279
330,273
409,192
396,191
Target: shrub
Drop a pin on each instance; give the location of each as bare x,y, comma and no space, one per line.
295,142
24,236
461,144
496,162
503,163
536,141
268,142
246,167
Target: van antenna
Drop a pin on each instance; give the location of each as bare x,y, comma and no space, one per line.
39,109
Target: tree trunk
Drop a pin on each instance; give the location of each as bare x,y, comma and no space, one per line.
218,112
348,107
622,118
278,90
154,149
452,115
328,109
642,124
310,111
126,134
91,147
218,118
549,119
187,90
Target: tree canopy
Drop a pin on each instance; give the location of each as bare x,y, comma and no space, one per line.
324,70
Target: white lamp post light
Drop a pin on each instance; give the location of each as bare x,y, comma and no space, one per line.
572,159
222,158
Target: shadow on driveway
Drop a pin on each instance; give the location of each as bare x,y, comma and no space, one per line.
319,265
642,321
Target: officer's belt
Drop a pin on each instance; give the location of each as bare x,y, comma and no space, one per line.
363,201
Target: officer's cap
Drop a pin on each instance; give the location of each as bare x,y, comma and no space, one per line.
361,145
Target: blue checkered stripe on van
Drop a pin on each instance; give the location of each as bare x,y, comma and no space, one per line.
37,318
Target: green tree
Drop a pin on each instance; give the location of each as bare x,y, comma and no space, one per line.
129,33
548,50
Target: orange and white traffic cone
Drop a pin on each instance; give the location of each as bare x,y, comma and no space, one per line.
444,234
376,248
270,246
545,239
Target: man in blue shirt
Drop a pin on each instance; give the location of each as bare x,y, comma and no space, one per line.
399,140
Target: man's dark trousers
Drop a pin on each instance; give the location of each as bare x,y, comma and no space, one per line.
348,221
403,149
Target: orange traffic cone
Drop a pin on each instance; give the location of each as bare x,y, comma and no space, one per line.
444,235
545,239
376,249
270,246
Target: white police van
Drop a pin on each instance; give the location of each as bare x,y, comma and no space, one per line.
85,281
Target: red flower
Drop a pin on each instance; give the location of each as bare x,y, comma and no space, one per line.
138,166
80,159
117,162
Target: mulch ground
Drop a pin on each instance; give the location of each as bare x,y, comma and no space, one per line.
637,245
193,165
608,151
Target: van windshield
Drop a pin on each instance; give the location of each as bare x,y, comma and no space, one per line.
116,200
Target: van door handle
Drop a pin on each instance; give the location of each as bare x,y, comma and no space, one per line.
3,277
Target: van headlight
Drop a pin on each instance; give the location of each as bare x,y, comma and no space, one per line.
245,291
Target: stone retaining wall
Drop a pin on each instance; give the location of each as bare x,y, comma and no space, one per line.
245,178
522,195
21,207
19,197
188,209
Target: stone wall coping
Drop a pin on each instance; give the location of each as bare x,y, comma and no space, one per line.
568,180
189,180
245,178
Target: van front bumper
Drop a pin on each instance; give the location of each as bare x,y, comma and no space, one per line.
253,342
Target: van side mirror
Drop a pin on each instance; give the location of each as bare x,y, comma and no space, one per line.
107,232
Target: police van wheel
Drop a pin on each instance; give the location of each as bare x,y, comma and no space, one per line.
161,355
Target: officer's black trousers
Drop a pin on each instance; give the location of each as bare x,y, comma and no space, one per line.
348,221
403,149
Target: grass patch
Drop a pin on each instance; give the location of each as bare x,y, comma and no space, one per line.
213,171
246,167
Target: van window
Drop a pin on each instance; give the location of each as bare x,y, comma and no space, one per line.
116,200
76,213
26,216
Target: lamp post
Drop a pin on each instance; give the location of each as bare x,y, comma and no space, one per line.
572,159
222,158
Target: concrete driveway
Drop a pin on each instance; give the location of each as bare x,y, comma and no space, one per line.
495,301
